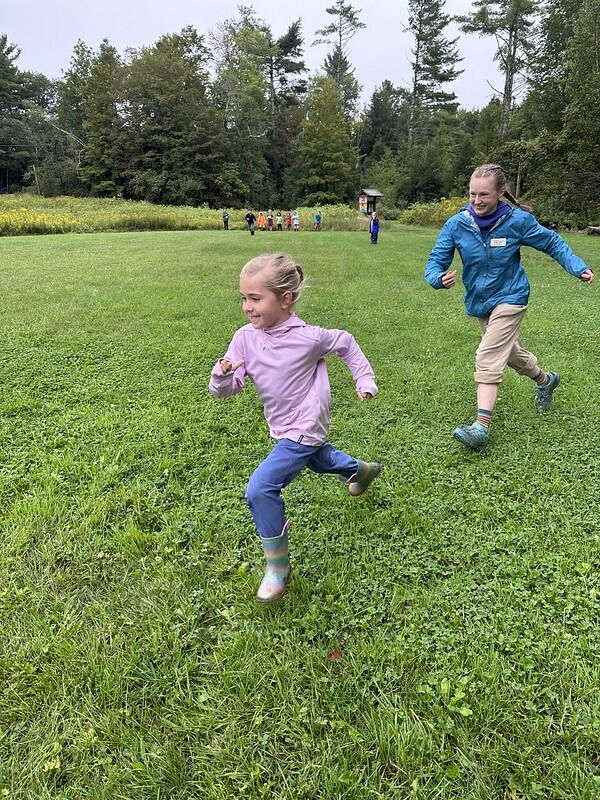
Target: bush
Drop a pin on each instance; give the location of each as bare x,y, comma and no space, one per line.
432,214
389,212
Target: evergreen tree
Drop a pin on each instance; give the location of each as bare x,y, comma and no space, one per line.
487,139
384,173
435,59
385,122
510,23
285,70
337,64
326,157
103,126
547,96
16,144
580,176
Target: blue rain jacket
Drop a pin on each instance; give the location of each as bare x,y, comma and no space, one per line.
492,271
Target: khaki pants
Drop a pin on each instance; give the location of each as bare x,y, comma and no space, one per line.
500,345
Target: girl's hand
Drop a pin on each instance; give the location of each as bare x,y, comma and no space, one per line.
364,395
227,366
587,276
449,279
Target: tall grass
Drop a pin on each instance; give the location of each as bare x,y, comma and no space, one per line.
23,214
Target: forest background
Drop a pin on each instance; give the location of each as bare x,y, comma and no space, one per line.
231,117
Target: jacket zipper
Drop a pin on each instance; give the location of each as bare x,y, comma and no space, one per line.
477,232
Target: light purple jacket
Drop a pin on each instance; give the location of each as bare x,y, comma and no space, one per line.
286,364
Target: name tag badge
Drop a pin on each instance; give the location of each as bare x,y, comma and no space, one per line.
498,243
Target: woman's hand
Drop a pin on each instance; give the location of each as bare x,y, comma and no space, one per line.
364,395
587,276
227,366
449,279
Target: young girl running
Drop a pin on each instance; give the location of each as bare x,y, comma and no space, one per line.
488,234
284,357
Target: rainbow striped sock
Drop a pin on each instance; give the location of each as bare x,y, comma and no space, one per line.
484,417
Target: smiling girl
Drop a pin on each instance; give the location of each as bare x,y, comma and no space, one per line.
285,359
488,234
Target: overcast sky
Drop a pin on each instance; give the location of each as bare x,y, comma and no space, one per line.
46,31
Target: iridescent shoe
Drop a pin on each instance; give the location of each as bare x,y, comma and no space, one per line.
363,477
474,436
543,394
278,570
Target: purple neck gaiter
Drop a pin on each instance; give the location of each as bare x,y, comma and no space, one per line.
485,223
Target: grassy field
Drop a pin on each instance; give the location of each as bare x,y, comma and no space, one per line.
440,634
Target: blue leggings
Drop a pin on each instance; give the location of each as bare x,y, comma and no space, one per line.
279,468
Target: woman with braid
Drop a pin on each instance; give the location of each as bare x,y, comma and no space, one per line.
488,234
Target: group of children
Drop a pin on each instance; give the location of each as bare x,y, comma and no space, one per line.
285,357
292,221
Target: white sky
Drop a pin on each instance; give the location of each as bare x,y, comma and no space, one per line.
46,31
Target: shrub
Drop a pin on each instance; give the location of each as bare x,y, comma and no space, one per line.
389,212
432,214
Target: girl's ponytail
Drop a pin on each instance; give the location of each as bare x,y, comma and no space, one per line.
512,199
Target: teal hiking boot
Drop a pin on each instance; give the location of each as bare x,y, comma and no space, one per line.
363,477
543,394
474,436
278,570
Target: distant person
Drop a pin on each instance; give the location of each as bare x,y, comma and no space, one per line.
250,220
270,220
374,227
279,221
296,220
225,219
262,222
288,220
317,220
489,233
285,359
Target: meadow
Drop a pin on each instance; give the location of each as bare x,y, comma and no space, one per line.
440,634
23,214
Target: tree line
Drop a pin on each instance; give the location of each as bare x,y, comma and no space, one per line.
233,118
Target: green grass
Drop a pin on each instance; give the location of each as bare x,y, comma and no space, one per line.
440,634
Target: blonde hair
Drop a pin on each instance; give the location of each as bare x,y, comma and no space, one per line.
496,172
281,274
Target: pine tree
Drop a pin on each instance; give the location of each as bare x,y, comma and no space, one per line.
337,64
510,23
581,176
103,128
325,154
17,147
547,96
435,59
285,70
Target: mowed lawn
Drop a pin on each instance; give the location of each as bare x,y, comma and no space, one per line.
440,637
